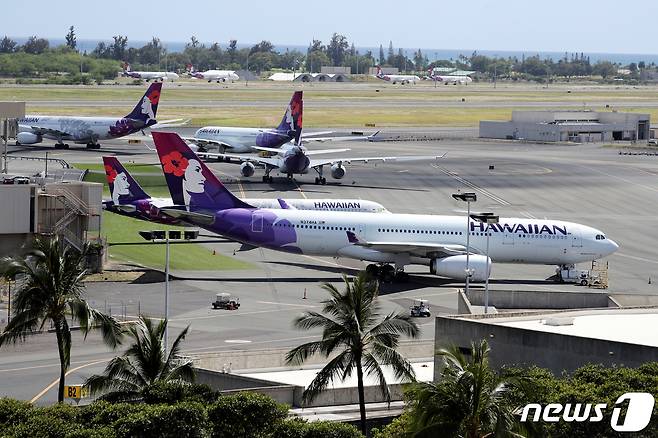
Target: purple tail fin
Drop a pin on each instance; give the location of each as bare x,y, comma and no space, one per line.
147,107
123,187
291,124
190,182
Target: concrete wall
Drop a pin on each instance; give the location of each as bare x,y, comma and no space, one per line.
516,346
332,70
231,383
16,216
526,299
275,358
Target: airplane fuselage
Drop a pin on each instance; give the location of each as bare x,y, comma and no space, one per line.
80,129
243,140
151,75
324,233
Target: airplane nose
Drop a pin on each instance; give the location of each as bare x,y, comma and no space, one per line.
612,246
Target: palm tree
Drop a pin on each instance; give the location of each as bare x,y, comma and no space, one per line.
50,289
469,399
144,364
363,341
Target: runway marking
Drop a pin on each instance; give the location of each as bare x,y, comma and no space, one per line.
237,341
301,192
285,304
242,193
475,187
49,387
220,315
641,259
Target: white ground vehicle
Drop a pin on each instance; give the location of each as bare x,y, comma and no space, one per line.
226,301
421,308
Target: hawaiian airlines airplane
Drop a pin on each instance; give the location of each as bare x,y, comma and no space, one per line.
389,241
33,129
148,75
395,79
129,199
213,75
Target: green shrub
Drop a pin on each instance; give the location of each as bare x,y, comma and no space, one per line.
13,412
171,392
318,429
102,413
183,420
245,414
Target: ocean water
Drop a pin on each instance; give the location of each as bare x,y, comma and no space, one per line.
432,54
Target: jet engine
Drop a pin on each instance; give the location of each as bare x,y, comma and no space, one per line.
337,171
28,138
455,267
247,169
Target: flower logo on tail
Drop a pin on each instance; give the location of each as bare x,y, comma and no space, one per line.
154,97
174,163
111,173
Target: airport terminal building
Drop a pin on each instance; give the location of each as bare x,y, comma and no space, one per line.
575,126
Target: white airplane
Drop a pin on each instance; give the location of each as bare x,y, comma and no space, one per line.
450,79
396,79
148,75
213,75
33,128
389,241
246,140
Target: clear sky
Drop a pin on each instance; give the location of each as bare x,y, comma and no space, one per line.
608,26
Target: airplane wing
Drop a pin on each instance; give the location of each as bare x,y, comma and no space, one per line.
401,159
370,137
313,134
203,142
189,216
307,152
253,159
48,131
173,123
418,249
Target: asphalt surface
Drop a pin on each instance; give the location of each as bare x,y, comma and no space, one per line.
588,184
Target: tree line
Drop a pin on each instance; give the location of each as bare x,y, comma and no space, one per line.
36,56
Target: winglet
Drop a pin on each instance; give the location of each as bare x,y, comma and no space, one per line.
351,237
284,205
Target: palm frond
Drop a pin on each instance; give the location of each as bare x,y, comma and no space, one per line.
372,368
335,367
90,318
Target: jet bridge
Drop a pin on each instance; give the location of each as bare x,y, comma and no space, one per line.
10,112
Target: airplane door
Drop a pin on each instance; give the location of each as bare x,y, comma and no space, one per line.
257,223
576,240
361,231
508,239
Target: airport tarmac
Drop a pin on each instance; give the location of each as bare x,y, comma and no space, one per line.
589,184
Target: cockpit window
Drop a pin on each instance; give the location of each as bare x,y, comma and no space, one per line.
600,237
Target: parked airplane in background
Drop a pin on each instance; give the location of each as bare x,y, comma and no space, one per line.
129,198
33,129
246,140
450,79
213,75
390,241
243,140
148,75
396,79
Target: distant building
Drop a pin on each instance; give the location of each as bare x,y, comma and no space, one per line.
335,70
577,126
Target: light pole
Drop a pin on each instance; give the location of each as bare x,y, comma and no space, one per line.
162,236
467,197
486,218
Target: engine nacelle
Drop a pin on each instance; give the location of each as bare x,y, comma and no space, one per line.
28,138
337,171
455,267
247,169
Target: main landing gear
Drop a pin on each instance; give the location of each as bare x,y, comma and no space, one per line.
61,146
267,178
320,179
386,273
92,145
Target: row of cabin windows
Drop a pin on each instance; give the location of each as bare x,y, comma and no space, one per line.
389,230
314,227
